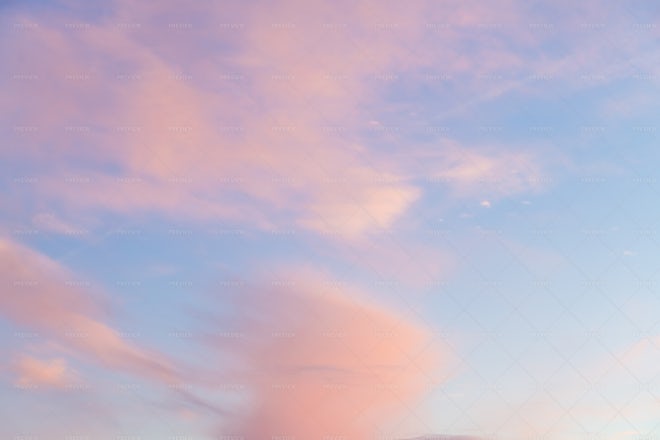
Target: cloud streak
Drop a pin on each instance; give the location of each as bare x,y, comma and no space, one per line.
43,296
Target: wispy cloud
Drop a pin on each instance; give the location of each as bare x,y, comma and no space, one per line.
264,140
41,295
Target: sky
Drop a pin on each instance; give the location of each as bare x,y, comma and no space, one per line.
332,220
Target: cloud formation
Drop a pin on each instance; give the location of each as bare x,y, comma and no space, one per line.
265,130
37,373
41,295
308,345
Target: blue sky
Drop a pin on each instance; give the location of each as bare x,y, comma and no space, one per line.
329,220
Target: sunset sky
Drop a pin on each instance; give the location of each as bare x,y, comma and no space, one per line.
329,220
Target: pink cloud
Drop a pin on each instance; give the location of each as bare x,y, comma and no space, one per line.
265,140
37,373
309,345
38,296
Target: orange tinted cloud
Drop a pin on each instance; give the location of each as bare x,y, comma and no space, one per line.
32,372
319,360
